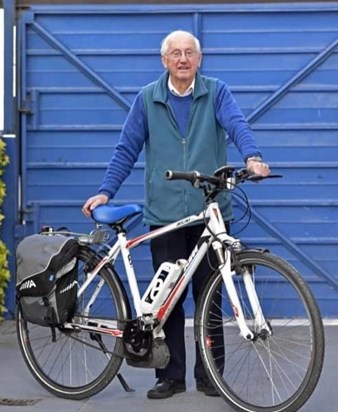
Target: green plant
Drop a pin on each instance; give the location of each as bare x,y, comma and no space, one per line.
4,272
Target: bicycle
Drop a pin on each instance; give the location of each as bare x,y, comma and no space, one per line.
258,325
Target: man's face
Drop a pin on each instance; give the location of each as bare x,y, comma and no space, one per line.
182,59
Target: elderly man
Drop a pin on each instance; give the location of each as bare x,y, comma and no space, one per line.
182,120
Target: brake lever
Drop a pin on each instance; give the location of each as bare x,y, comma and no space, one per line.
241,175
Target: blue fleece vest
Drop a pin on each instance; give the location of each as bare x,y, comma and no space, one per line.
202,148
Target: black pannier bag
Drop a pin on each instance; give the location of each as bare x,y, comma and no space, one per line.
46,283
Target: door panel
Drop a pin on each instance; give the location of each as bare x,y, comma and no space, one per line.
81,67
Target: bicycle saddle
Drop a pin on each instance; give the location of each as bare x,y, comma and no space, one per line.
110,214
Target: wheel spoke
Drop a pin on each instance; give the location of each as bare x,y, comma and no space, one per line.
80,362
281,366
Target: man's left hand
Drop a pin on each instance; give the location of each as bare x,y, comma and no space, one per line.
258,168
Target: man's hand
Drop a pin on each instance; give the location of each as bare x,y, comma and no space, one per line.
92,203
258,167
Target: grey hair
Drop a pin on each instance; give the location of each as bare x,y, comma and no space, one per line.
165,42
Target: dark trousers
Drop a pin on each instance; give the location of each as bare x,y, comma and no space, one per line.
170,247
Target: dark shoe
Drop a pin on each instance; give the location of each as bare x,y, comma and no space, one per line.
204,385
165,388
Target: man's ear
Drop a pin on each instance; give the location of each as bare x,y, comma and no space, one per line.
200,60
164,61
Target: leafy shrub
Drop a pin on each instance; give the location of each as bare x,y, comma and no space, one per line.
4,272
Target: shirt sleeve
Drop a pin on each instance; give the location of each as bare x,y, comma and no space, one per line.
231,118
128,148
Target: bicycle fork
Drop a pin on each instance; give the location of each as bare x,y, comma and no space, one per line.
260,324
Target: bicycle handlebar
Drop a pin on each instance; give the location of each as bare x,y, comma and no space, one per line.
189,176
223,178
194,177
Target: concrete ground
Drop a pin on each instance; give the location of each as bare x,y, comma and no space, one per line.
19,392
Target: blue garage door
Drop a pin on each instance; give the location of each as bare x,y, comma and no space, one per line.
80,68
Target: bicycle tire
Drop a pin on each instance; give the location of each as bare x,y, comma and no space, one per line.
79,364
271,373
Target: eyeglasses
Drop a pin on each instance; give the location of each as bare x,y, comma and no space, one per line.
177,54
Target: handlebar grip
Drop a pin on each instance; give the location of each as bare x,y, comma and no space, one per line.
189,176
256,178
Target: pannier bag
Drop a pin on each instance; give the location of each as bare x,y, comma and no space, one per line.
46,283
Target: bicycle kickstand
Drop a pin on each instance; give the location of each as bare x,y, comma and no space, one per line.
123,382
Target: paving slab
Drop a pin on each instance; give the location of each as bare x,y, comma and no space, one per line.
19,387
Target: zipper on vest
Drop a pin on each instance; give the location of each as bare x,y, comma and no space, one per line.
185,169
184,141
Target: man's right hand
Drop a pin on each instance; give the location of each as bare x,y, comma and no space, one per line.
93,202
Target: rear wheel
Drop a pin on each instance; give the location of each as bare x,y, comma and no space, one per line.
79,363
276,371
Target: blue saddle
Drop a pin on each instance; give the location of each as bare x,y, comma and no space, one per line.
109,214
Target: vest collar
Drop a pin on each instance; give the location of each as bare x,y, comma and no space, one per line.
161,87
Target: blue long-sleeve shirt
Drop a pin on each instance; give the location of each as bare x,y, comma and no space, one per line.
155,117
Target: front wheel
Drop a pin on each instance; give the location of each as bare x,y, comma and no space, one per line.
78,363
279,369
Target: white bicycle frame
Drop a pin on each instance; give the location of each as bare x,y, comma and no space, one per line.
214,235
